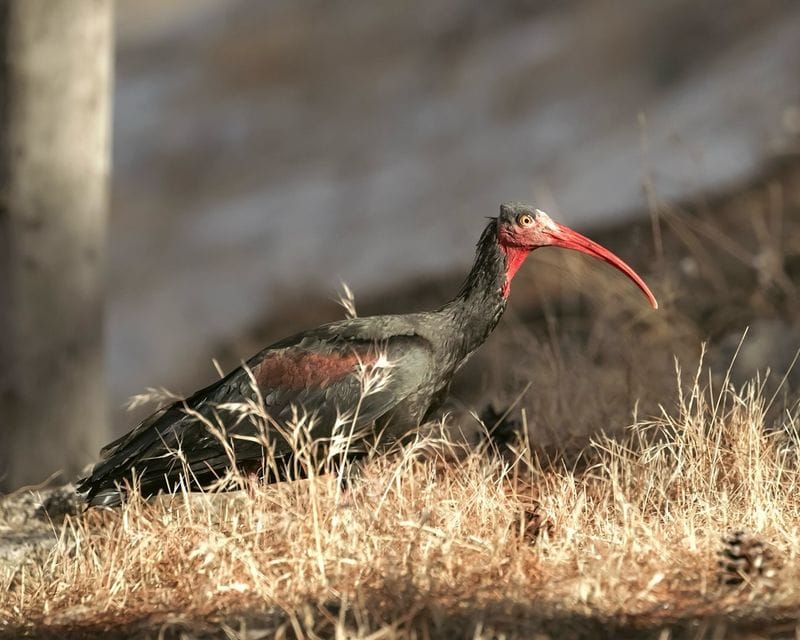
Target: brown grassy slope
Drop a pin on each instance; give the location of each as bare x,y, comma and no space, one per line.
418,545
624,543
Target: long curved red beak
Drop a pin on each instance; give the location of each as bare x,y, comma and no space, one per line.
565,237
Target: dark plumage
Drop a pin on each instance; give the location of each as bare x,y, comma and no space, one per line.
318,371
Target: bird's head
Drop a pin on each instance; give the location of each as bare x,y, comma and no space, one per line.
522,228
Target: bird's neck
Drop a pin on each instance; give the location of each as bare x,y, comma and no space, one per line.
480,303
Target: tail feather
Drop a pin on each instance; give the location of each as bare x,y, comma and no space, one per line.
153,456
148,452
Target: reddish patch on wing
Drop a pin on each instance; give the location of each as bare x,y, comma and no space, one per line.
300,368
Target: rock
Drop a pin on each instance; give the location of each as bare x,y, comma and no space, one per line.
29,525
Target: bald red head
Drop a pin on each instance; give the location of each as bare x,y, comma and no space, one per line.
521,229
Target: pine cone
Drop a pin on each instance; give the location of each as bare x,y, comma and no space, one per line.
744,557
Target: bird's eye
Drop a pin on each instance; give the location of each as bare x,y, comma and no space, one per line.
524,219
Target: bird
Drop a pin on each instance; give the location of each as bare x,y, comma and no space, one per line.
317,377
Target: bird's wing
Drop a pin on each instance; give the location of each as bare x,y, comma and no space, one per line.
350,370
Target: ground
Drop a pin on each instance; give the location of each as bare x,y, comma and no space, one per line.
653,491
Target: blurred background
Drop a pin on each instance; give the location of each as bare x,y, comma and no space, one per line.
265,151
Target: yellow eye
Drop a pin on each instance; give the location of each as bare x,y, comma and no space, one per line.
524,219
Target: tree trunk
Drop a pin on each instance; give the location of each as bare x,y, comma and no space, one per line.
55,93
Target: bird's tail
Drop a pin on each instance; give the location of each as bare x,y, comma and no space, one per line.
128,461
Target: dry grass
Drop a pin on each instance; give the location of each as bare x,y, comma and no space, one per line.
420,545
